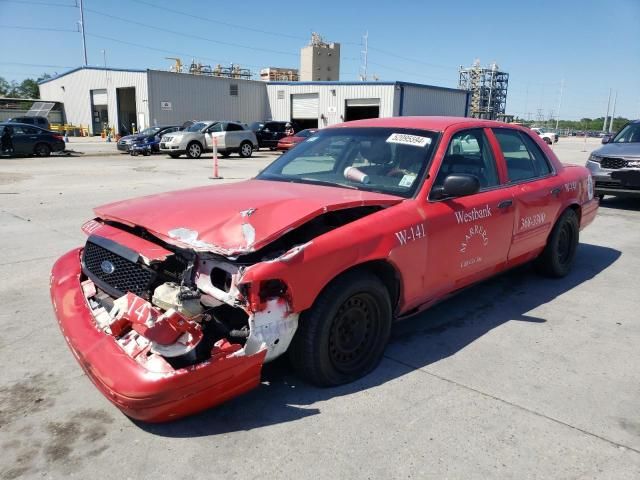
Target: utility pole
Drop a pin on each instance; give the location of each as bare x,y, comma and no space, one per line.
365,52
606,117
559,103
613,111
84,40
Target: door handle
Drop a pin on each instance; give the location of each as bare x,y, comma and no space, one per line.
505,204
556,191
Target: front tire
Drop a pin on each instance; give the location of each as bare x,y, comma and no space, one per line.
246,149
42,150
558,255
343,336
194,150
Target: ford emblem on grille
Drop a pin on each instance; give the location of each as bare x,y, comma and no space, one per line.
107,267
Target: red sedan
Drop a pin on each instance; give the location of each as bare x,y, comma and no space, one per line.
287,143
176,300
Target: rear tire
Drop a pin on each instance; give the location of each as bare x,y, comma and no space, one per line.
547,140
194,150
246,149
342,337
42,150
558,255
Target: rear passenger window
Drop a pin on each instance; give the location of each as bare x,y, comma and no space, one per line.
523,157
234,127
469,153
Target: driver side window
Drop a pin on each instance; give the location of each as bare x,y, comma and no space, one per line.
215,128
469,153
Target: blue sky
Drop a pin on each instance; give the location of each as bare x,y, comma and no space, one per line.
591,45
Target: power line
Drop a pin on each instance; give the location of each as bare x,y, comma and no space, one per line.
160,50
183,34
46,4
34,65
218,22
47,29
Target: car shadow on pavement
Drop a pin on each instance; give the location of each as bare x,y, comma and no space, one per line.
621,203
416,343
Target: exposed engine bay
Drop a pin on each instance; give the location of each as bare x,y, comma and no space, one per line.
176,308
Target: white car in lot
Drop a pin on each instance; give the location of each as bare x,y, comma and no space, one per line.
548,136
231,137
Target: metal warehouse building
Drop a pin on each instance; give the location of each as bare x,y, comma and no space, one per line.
320,104
119,98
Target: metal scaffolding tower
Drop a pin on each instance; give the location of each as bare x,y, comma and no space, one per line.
488,87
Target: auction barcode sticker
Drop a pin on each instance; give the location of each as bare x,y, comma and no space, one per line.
406,139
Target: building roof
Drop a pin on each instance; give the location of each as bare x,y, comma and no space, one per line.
396,83
73,70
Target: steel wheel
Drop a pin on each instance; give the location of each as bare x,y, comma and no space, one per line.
354,331
343,336
557,257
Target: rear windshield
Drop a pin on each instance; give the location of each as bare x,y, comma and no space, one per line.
386,160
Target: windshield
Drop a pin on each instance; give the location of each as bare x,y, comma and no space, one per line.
150,131
386,160
629,134
306,133
196,127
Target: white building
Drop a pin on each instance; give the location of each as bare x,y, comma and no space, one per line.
119,98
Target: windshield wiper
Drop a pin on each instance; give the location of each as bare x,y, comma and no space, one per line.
326,182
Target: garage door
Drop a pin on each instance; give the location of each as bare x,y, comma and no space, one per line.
304,105
363,102
99,97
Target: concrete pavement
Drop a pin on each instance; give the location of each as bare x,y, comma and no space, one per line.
519,377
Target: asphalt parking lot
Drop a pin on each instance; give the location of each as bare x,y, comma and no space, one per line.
520,377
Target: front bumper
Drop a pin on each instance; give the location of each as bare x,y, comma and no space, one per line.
123,147
138,391
620,182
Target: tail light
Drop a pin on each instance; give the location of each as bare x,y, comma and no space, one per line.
58,137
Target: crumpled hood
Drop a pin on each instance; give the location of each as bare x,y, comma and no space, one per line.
619,150
235,218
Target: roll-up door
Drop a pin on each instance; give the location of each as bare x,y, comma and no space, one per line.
99,97
304,105
363,102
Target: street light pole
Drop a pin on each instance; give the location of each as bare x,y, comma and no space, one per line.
559,104
613,111
606,117
84,40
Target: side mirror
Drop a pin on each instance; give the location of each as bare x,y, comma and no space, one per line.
607,138
457,185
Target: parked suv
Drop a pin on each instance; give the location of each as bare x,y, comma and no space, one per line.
41,122
615,166
231,137
268,133
548,136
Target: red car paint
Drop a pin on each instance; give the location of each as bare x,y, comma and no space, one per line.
434,247
290,141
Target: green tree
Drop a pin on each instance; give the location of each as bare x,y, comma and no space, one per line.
29,89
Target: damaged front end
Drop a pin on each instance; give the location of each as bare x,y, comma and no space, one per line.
164,331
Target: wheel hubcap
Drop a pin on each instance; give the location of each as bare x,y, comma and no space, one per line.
354,333
246,150
195,150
